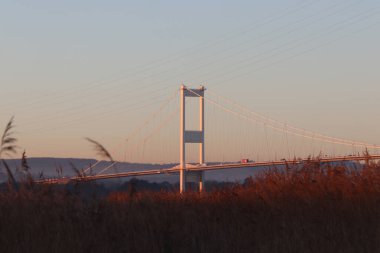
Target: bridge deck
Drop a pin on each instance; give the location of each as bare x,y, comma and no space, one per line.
203,168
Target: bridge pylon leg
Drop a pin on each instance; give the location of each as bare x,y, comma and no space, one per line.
182,146
202,130
201,182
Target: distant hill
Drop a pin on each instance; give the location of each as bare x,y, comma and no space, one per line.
53,167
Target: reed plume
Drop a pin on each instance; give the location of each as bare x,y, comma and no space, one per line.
7,140
103,153
100,149
8,146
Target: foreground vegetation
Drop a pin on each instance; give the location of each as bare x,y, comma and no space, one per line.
317,208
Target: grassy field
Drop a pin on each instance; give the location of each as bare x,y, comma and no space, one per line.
313,209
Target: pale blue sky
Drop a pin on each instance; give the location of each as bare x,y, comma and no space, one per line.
70,69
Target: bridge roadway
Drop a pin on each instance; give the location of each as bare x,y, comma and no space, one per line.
66,180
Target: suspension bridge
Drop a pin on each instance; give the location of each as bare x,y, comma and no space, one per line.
194,171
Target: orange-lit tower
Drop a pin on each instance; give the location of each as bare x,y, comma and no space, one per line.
197,136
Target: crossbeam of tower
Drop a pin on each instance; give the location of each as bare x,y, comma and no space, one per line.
186,136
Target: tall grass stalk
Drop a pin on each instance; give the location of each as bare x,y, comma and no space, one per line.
8,146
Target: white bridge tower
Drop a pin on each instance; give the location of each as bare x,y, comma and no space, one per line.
192,137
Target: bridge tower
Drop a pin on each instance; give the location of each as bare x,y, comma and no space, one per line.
186,136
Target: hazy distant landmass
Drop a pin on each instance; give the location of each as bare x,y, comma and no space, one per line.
58,167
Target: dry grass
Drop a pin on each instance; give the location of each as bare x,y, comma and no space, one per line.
313,209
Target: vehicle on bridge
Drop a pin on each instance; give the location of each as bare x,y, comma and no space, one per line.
246,160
